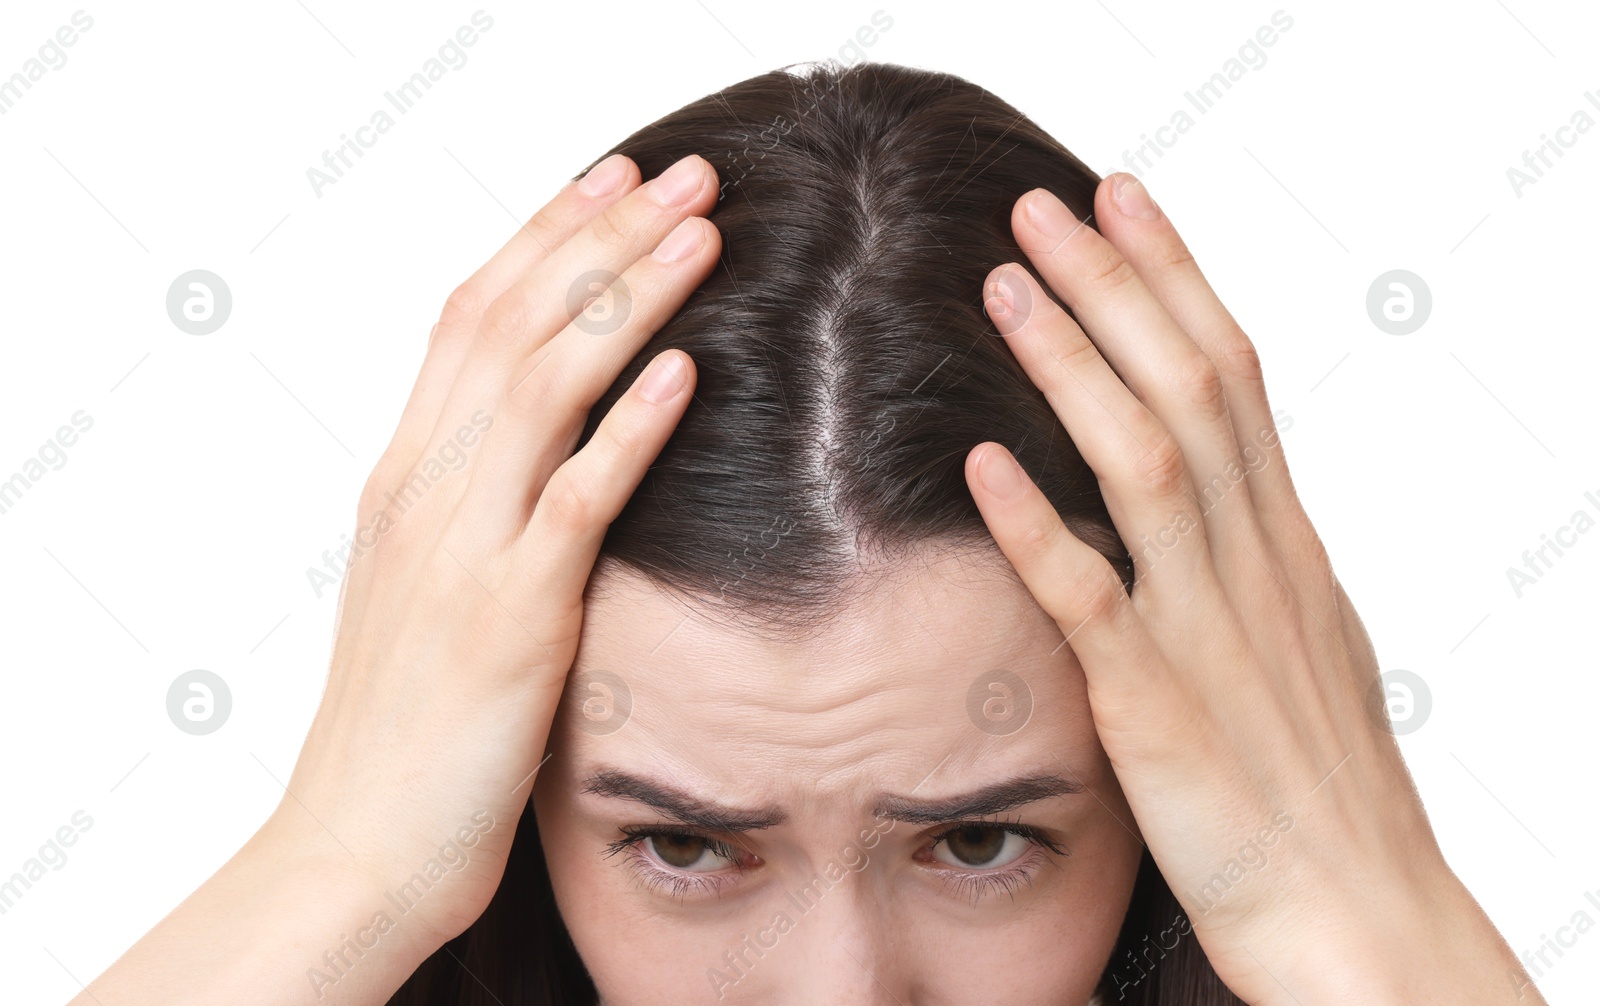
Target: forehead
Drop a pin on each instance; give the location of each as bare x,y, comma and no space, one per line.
932,670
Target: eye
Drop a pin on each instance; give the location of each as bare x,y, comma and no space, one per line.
990,856
681,863
690,853
980,846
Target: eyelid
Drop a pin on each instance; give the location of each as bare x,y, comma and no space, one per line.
635,834
656,876
976,881
1031,832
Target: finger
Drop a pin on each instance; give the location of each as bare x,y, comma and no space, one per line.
1133,222
574,206
1156,359
1069,579
556,553
548,401
561,287
1136,458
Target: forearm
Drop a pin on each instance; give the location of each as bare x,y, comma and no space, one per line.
273,925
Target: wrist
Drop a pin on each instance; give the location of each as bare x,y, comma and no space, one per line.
352,938
355,878
279,923
1421,941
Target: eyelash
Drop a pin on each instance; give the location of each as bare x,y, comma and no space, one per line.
656,878
1009,878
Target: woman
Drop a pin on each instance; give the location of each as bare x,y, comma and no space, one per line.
855,709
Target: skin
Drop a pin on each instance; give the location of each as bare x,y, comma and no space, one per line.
816,730
1227,691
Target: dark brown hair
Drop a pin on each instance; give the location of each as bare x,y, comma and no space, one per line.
846,368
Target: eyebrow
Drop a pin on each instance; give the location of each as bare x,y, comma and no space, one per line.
1001,796
691,810
682,807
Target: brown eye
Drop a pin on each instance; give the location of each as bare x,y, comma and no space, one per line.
687,852
980,846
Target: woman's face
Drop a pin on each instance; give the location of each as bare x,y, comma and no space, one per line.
859,818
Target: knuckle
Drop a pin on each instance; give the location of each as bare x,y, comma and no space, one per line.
1202,383
544,229
1080,352
371,498
613,228
462,308
1241,360
405,522
1039,538
1110,273
541,389
1175,255
1096,594
616,439
505,321
390,475
1161,469
568,503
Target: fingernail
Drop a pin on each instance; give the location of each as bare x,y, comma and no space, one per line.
1007,301
1050,214
605,177
1132,198
663,378
677,183
1000,473
681,243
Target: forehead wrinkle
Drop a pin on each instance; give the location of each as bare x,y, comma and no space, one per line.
880,684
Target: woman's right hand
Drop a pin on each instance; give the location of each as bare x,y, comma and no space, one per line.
458,625
460,614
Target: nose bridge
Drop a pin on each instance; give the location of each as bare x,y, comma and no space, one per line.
844,940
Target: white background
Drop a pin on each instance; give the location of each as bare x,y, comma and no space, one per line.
1376,136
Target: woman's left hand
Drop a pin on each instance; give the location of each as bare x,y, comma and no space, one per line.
1233,688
